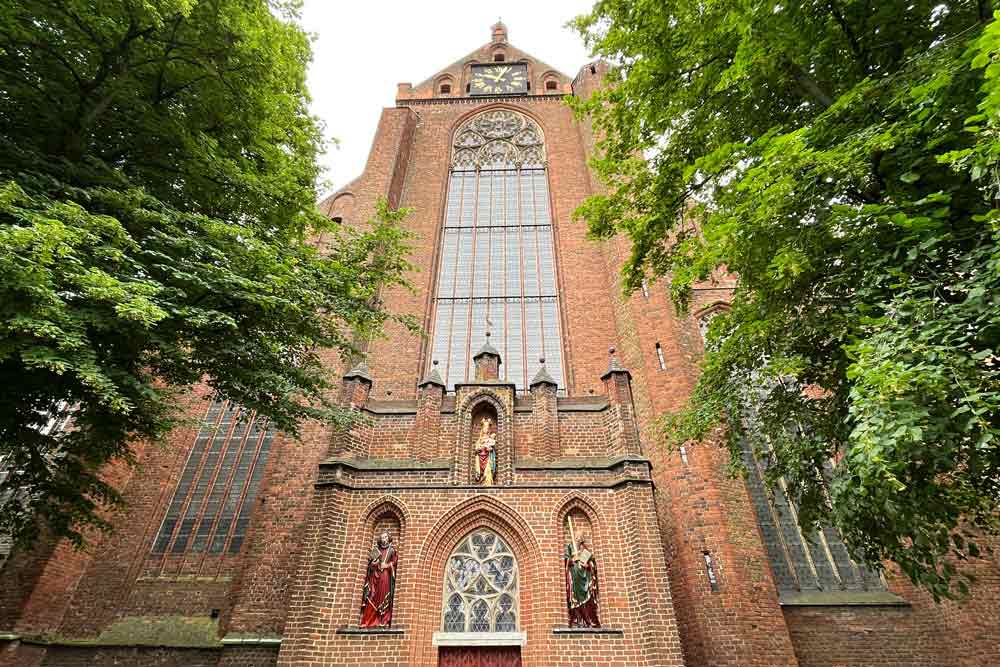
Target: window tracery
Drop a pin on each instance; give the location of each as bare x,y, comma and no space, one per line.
481,586
499,139
497,270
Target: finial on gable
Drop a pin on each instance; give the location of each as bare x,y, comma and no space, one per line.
499,32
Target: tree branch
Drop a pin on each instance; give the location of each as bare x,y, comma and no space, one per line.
58,6
849,33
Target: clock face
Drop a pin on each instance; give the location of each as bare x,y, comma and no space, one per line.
499,79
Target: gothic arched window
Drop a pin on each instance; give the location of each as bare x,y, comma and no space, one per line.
480,586
497,269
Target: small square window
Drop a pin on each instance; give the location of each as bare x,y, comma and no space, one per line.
550,85
498,57
446,89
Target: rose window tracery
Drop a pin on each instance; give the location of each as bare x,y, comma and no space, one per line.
498,139
480,589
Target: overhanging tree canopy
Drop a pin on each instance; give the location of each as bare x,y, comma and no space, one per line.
157,196
843,156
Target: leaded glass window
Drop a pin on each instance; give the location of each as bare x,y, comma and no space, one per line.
497,269
480,588
210,510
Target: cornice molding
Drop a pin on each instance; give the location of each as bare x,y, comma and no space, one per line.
478,99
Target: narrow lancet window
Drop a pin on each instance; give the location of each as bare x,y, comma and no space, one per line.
210,510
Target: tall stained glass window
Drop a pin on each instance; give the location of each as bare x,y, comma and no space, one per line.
210,510
497,269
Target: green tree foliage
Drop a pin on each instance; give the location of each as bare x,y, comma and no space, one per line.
842,158
157,202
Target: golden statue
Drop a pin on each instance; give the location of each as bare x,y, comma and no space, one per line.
485,454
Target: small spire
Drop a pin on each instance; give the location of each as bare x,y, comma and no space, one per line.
499,32
487,349
542,376
614,366
433,377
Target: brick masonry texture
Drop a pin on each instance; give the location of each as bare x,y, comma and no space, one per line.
292,594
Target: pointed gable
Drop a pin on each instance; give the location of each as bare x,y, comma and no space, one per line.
453,80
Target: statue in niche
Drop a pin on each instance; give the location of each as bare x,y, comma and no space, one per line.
380,584
485,454
581,582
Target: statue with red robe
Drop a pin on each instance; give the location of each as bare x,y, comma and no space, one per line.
380,584
581,585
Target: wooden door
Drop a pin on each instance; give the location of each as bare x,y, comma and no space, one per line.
479,656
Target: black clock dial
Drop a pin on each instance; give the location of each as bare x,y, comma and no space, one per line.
499,79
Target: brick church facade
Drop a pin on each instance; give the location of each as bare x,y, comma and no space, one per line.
514,434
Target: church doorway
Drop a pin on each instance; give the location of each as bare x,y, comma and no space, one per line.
479,656
480,618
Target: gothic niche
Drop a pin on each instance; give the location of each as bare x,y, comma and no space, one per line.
580,567
498,139
483,437
379,590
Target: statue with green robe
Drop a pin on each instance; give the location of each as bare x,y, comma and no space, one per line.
581,583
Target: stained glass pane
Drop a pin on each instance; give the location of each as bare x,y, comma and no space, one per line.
454,616
506,621
498,244
480,617
216,490
480,588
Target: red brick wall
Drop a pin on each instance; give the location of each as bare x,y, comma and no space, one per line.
634,594
407,466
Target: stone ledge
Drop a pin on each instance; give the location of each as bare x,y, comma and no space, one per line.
97,644
401,407
583,463
184,578
582,403
387,465
841,598
541,97
613,632
182,632
9,636
251,640
479,638
377,632
475,487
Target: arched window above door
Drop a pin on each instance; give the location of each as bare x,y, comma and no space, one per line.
480,586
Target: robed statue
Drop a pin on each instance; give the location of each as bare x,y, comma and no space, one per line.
380,584
581,583
485,454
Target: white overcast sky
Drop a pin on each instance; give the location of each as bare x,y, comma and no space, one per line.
363,48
